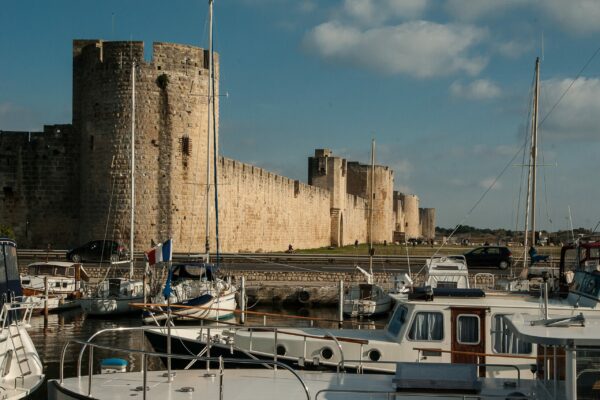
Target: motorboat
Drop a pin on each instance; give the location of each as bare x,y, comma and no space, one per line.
453,321
57,283
196,287
565,371
20,365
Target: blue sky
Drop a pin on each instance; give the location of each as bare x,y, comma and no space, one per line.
442,85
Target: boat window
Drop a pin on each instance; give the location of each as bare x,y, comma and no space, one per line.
2,266
56,284
427,326
12,269
504,341
587,284
397,321
467,329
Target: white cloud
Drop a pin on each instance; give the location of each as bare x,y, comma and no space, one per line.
480,89
470,10
418,48
577,116
514,48
487,182
579,16
375,12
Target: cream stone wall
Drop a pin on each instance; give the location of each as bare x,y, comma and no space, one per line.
85,190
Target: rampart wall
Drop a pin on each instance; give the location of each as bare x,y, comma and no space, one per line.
39,185
72,183
260,210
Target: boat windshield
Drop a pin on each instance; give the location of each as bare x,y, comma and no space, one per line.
587,284
49,269
397,320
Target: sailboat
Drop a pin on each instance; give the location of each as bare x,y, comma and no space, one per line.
196,286
367,299
114,295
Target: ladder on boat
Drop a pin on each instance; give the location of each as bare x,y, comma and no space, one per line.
12,325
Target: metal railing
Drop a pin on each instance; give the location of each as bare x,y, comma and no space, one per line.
145,354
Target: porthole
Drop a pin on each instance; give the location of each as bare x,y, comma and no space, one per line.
326,353
374,355
281,350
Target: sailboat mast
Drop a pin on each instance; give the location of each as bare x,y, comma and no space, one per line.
531,185
131,234
208,129
372,192
534,127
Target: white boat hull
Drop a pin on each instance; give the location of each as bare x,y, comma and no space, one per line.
220,307
108,306
366,308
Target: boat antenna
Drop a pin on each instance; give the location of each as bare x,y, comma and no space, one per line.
208,130
571,224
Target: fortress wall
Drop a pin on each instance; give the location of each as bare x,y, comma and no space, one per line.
260,210
171,130
39,190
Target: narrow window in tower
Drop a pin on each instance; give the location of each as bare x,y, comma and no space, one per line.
185,145
91,142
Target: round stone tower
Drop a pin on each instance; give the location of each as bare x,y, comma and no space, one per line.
427,216
410,204
170,141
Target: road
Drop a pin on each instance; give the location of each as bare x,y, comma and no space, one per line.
281,261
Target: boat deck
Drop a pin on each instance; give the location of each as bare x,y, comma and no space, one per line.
265,384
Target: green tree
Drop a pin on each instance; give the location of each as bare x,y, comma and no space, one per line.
7,231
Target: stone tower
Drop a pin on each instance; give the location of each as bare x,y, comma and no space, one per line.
427,217
410,207
328,172
171,140
359,184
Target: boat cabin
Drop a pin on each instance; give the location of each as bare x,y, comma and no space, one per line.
62,277
447,272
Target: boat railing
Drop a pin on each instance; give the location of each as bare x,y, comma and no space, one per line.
146,354
10,312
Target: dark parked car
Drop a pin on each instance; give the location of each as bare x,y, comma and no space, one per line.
489,256
99,251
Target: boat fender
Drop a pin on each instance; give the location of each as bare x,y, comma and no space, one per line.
303,296
326,353
281,350
374,355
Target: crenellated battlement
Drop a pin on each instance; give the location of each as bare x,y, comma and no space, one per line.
165,56
233,168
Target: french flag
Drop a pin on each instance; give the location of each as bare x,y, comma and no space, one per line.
161,253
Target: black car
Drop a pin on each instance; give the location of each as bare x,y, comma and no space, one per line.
99,251
489,256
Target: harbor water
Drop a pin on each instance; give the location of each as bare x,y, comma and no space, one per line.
50,336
